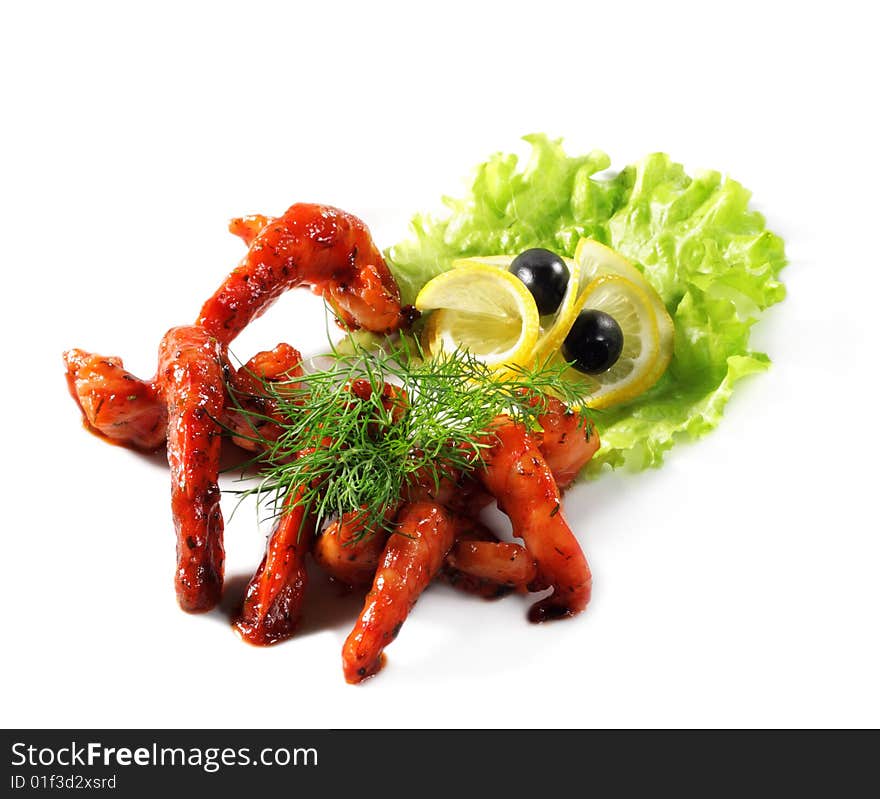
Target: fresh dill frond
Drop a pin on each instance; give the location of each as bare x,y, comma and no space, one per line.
351,452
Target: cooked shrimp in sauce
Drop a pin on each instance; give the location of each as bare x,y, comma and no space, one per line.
429,528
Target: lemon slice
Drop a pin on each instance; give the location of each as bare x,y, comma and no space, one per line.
636,369
501,261
483,309
595,260
555,326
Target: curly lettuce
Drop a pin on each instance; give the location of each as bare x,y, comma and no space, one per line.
709,257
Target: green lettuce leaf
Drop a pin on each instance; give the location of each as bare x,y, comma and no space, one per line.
709,257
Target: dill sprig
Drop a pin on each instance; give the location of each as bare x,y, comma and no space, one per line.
357,454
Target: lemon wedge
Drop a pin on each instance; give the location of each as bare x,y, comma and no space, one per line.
483,309
553,327
636,369
594,260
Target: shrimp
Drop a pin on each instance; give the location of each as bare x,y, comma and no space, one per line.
348,552
251,416
479,563
412,557
567,441
273,599
115,404
317,246
191,377
126,410
351,554
516,474
498,562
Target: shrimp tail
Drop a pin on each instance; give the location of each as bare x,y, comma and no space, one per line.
247,228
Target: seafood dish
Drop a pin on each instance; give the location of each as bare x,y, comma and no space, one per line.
198,402
555,323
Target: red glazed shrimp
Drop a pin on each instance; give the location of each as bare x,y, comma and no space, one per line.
413,555
132,412
323,248
500,562
273,599
348,553
191,377
567,441
115,404
250,413
516,474
479,563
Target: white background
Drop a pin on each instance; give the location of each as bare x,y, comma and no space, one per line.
735,586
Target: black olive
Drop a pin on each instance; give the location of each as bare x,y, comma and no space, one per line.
594,342
545,275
